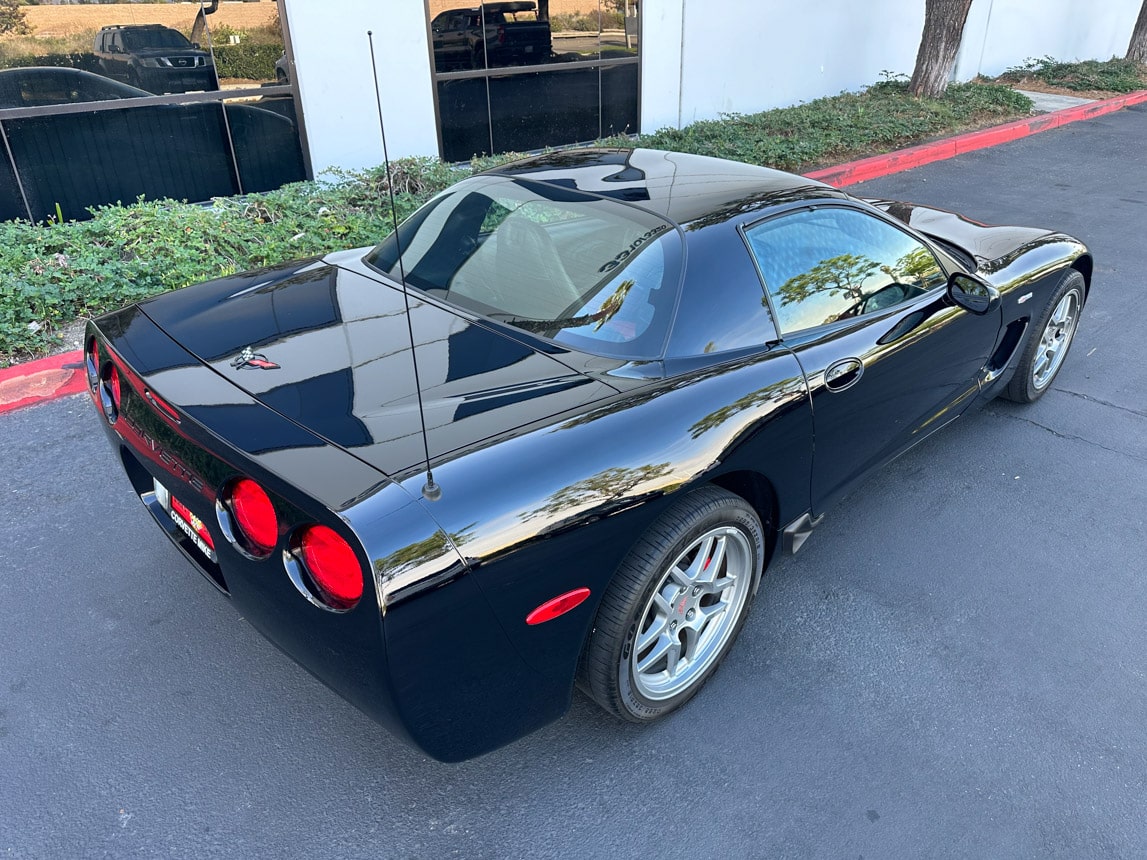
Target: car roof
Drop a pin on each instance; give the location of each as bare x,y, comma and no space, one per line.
136,27
682,188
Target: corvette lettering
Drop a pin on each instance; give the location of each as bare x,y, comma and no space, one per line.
173,464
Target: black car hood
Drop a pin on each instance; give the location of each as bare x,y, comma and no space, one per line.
150,53
325,343
985,242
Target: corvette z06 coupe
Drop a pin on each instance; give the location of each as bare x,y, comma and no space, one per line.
552,430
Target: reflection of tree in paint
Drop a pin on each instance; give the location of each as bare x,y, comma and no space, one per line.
612,484
774,392
429,548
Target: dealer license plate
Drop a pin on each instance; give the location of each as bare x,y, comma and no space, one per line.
187,522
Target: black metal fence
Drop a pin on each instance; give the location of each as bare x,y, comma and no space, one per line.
63,160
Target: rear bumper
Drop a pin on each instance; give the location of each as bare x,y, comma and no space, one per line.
436,669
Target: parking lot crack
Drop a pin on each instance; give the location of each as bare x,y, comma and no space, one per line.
1089,398
1071,437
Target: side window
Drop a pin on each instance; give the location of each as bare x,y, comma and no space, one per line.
832,263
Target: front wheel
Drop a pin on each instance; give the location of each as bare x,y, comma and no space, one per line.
1049,342
674,607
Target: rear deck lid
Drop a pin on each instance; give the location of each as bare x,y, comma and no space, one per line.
328,347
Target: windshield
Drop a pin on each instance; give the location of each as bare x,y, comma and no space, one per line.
590,273
138,40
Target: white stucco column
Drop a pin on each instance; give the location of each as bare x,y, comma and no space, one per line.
336,86
661,52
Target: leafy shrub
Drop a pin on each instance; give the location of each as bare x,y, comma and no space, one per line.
247,60
1114,76
836,128
85,60
587,22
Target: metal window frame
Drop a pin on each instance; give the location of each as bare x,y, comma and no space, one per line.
220,97
508,71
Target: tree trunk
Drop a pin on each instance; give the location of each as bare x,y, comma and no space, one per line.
199,28
943,28
1137,48
543,10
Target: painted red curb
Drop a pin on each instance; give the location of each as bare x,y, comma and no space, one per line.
917,156
42,380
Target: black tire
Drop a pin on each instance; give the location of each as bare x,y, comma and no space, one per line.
701,615
1049,340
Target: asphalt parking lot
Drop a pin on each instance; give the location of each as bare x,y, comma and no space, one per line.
954,665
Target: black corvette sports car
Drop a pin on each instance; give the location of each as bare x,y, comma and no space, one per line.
552,430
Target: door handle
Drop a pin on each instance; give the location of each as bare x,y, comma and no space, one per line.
843,374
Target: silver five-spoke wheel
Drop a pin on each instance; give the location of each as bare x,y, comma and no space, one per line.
674,606
1048,341
1055,339
692,613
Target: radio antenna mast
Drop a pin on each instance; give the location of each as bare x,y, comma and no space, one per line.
430,490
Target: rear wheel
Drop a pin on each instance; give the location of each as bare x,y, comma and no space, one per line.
1049,341
675,606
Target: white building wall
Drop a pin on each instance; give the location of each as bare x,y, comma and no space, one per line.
702,58
699,58
336,87
742,56
1004,33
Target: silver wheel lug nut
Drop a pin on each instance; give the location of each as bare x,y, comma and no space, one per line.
689,615
673,626
696,590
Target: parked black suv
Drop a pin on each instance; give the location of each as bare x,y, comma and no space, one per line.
154,58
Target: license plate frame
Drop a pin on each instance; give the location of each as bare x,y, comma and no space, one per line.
187,523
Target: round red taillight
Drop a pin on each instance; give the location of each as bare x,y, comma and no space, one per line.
332,566
255,516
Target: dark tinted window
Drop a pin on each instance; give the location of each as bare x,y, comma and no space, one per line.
828,264
135,40
523,74
594,274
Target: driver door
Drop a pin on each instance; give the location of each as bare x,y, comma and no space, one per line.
888,358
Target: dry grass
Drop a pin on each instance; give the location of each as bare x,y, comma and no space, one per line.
74,21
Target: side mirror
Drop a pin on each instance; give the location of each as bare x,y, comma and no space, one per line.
972,294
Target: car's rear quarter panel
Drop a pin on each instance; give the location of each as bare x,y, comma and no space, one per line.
558,507
193,461
435,667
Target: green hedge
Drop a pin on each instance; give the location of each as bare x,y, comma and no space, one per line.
74,60
247,60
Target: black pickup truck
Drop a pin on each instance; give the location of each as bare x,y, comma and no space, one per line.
154,58
490,35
